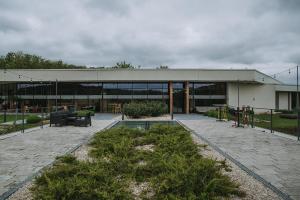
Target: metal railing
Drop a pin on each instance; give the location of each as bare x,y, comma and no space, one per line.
13,120
266,118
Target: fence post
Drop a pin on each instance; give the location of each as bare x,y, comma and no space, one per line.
238,116
42,125
172,115
298,130
252,118
4,117
220,113
22,131
122,113
271,124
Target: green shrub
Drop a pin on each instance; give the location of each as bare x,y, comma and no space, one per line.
82,113
32,119
288,116
211,113
285,111
149,108
174,169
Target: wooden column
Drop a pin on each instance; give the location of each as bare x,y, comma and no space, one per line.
171,97
187,98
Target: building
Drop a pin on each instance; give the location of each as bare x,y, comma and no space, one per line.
184,90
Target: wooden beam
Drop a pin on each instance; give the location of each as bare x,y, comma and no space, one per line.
187,98
171,97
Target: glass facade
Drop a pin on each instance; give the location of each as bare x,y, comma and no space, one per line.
105,96
206,94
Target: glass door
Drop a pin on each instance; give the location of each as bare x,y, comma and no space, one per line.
178,97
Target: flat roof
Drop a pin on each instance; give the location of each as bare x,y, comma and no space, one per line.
143,74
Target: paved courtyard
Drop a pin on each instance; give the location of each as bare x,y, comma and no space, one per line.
274,158
22,155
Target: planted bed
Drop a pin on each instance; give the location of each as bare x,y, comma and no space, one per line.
161,162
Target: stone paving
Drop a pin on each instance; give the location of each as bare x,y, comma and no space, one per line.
274,158
22,155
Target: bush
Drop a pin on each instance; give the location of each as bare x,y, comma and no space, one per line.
83,113
32,119
285,111
288,116
211,113
140,109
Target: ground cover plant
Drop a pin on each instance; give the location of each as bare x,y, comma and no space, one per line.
161,163
142,109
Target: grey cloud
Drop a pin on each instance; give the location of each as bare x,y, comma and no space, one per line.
252,33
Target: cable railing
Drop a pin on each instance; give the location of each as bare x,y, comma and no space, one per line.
16,119
285,121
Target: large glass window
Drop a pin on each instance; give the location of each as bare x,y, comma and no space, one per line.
203,94
124,89
110,88
90,93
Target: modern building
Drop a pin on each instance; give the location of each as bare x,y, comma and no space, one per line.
184,90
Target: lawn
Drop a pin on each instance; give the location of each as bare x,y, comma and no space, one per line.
263,120
11,117
279,124
160,163
14,128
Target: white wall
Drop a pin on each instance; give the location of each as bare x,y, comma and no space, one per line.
283,100
254,95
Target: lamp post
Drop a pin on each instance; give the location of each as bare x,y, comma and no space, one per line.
297,104
56,95
238,108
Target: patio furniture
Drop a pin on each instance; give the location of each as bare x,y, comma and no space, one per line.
63,118
58,118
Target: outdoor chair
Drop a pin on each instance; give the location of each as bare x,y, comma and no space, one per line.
58,118
63,118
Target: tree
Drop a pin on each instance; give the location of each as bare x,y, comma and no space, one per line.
123,65
20,60
163,67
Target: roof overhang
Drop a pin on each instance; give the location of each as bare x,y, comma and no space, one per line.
76,75
286,88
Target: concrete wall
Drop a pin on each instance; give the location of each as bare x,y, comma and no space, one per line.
254,95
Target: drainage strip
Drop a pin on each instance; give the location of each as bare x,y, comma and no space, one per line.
240,165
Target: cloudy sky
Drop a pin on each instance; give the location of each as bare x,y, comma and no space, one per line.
262,34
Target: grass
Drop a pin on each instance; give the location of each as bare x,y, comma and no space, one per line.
279,124
263,120
11,117
5,129
173,170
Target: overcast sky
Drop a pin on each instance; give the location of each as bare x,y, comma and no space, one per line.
262,34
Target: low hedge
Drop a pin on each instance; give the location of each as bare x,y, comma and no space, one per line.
82,113
285,111
288,116
141,109
32,119
211,113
